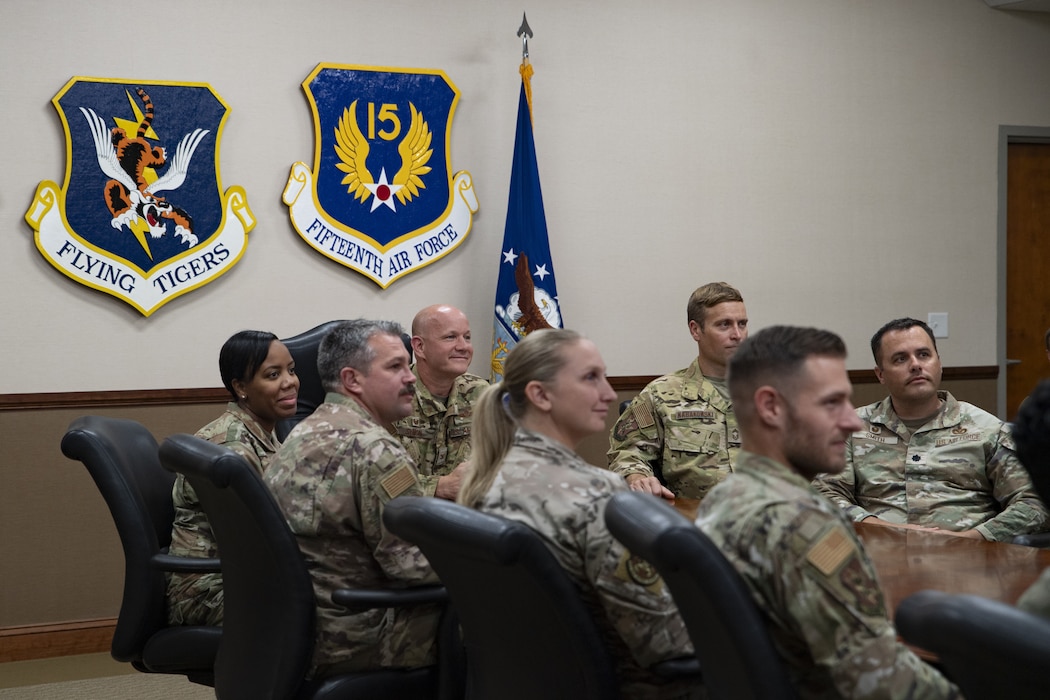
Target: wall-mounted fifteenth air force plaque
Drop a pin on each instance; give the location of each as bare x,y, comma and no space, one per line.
142,214
381,198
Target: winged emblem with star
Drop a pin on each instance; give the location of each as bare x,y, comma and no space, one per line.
414,150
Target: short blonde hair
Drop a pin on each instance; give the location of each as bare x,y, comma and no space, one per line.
710,295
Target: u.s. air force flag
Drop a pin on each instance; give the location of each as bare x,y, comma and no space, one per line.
142,214
381,198
526,295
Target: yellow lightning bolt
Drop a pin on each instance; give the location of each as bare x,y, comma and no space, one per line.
138,226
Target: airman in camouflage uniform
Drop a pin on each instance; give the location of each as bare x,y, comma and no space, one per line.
332,478
683,424
956,472
802,560
437,434
196,599
923,459
679,437
549,488
795,550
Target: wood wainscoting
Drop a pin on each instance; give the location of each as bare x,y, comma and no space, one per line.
49,641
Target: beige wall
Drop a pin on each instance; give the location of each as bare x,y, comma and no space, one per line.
835,159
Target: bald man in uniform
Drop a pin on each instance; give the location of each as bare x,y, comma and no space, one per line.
437,432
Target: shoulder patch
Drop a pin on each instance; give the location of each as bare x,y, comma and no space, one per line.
398,481
638,571
830,551
643,415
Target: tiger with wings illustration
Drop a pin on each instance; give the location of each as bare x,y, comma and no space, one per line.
129,196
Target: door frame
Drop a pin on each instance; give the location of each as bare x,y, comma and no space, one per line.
1007,134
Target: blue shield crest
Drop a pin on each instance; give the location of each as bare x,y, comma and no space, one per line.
141,213
385,201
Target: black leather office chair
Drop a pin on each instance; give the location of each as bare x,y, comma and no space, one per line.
991,650
1037,539
526,630
269,606
121,456
727,628
303,348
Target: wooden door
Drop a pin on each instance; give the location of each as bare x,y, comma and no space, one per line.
1027,269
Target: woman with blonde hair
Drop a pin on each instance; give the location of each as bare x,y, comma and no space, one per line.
524,468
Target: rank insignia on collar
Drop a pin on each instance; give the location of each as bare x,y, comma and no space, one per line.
381,198
142,214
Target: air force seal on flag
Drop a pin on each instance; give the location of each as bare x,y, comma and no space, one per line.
142,214
381,198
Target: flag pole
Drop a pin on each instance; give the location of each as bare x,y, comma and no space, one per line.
525,32
526,293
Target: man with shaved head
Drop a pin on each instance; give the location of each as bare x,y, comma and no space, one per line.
437,433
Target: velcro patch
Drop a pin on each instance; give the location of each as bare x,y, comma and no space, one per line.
830,552
638,571
398,481
643,415
690,413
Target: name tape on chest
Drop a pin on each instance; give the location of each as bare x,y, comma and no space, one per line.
696,414
970,437
875,437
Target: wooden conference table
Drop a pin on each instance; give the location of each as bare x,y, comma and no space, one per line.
908,561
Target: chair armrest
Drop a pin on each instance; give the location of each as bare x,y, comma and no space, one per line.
686,667
1038,539
185,565
358,599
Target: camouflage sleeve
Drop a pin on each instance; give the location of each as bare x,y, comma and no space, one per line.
236,437
840,488
429,483
1036,599
386,474
636,442
634,599
832,599
247,452
1023,511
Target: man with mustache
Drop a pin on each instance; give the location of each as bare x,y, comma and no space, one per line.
437,432
679,437
332,478
924,460
799,556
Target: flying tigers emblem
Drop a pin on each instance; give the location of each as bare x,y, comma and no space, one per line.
141,214
352,148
